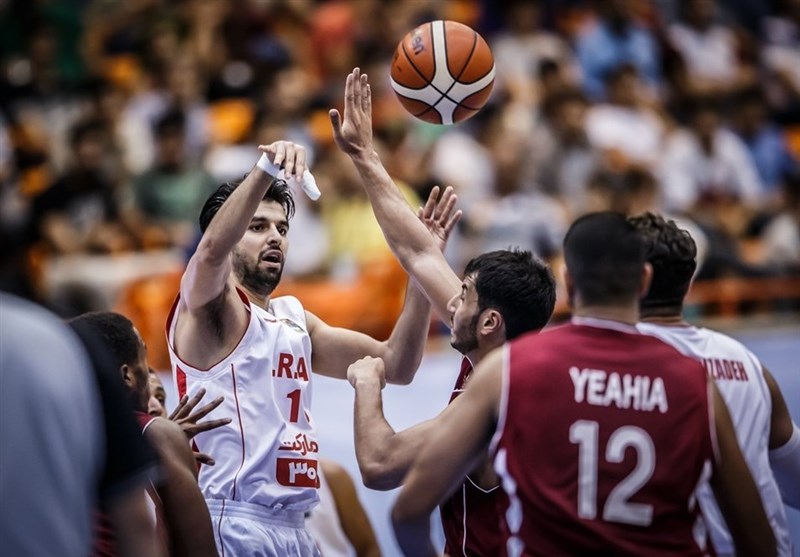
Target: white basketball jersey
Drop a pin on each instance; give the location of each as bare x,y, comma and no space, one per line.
268,454
740,380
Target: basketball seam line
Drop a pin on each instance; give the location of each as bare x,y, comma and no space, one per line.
416,69
455,79
463,68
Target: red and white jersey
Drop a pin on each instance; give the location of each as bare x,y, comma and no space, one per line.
602,439
268,454
471,516
740,380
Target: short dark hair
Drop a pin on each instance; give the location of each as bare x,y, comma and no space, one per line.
113,332
277,191
518,285
604,256
673,254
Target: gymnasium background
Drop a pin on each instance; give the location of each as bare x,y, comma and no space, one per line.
118,117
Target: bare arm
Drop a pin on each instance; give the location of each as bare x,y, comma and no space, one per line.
735,490
455,448
384,455
784,446
412,245
210,316
185,510
353,519
335,349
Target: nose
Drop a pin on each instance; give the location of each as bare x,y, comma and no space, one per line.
273,237
452,305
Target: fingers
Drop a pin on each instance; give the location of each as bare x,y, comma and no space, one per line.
194,429
430,205
445,207
356,98
187,405
336,122
299,163
203,458
452,222
280,153
348,93
179,408
288,164
205,410
366,98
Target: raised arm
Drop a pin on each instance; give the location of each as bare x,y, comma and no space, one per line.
735,490
335,349
210,316
456,447
384,456
408,239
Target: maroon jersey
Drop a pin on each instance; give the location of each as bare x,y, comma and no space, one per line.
602,439
471,516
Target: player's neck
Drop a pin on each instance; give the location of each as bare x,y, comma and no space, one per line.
260,300
627,315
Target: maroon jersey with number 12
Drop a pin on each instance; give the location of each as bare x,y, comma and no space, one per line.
602,439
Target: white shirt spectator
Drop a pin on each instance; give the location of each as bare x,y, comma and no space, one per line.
688,172
708,54
636,133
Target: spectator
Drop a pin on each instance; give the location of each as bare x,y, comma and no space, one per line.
80,212
614,39
782,235
623,126
708,50
173,191
522,47
570,159
707,162
765,141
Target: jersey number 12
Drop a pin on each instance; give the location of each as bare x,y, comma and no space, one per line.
617,508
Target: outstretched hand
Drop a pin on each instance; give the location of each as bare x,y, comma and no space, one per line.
186,417
352,130
437,214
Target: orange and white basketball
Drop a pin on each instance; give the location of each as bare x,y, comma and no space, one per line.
443,72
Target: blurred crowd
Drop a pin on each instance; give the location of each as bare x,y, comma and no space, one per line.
119,117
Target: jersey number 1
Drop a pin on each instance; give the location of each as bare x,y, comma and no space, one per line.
584,433
294,409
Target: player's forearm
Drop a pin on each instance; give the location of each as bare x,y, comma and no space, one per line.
405,234
231,221
406,344
381,466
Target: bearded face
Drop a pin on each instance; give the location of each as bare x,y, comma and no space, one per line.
259,256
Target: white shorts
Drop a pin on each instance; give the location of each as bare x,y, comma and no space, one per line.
247,530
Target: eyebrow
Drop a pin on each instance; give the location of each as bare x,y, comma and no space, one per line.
261,220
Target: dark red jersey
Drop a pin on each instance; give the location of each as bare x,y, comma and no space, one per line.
603,436
471,516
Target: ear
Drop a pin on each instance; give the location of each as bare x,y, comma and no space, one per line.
647,280
490,322
127,375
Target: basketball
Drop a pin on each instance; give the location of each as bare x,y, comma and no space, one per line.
442,72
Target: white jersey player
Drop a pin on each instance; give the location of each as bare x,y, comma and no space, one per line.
228,336
769,440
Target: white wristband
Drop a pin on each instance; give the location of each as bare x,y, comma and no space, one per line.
308,183
268,166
